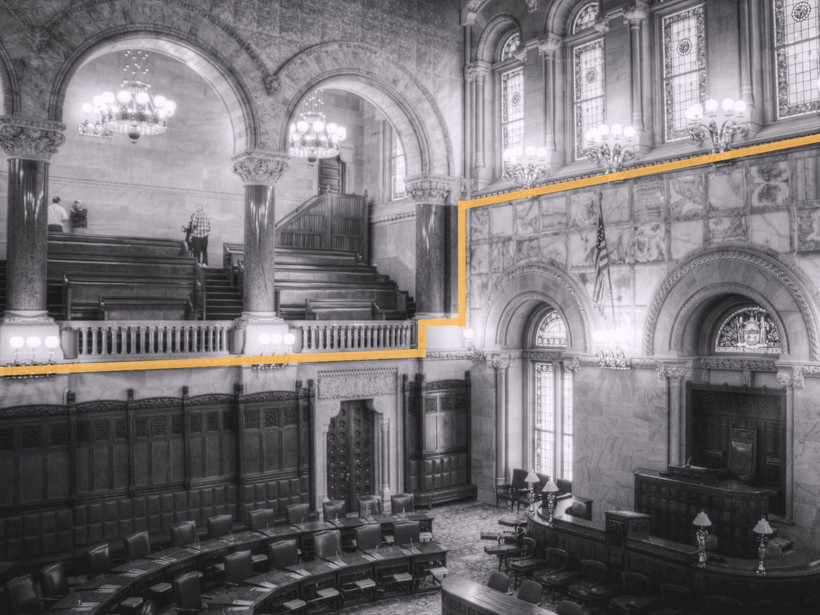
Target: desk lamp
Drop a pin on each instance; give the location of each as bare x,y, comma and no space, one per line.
763,531
703,524
550,489
531,479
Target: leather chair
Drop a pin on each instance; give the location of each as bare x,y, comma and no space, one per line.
369,505
53,582
283,553
334,509
97,560
219,526
511,490
328,544
407,533
137,545
635,598
238,567
675,599
183,533
593,573
297,513
186,593
568,607
260,519
530,591
557,574
21,596
368,537
723,605
402,503
743,453
498,581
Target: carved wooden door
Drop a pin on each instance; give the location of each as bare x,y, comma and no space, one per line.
351,454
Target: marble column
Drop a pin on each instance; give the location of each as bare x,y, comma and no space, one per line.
477,73
635,15
791,377
385,470
548,45
676,375
434,237
467,21
259,170
29,145
501,364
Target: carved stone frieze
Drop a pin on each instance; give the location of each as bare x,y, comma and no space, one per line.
259,167
680,371
431,188
356,384
101,405
25,412
477,71
644,363
543,355
212,399
31,139
154,403
791,377
532,6
445,385
460,353
270,396
272,84
549,44
573,366
736,364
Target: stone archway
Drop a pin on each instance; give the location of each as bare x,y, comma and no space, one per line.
9,88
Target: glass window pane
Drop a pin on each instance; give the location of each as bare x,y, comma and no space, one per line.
589,90
586,17
398,170
510,47
684,67
567,429
552,331
512,108
544,418
797,29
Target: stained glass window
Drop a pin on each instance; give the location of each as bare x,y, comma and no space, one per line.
512,108
553,428
684,67
566,427
586,18
551,331
797,43
589,90
398,169
749,330
510,46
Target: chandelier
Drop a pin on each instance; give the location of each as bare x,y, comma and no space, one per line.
610,145
703,121
133,111
312,137
524,167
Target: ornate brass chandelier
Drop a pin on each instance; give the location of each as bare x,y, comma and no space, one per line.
312,137
133,111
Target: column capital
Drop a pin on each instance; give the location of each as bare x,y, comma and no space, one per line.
260,167
675,370
477,71
602,24
532,6
468,16
432,188
636,12
521,53
549,43
29,138
500,361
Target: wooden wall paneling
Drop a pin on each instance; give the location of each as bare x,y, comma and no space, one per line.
412,432
186,438
239,402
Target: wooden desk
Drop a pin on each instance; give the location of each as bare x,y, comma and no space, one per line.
461,596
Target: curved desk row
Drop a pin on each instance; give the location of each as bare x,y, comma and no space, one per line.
792,578
461,596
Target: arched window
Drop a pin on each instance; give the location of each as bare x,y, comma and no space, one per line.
588,90
512,96
796,47
552,423
684,67
585,18
398,169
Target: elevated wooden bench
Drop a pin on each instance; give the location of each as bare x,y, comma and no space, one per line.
145,308
341,309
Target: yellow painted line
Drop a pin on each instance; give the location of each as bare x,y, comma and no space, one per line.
461,318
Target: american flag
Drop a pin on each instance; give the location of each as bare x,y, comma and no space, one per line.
601,263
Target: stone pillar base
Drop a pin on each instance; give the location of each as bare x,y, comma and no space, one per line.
26,326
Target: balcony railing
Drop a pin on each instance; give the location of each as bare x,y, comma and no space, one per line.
341,335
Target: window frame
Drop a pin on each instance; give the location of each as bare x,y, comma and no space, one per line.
578,128
778,79
396,139
499,69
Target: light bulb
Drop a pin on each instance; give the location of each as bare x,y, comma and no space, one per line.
332,128
617,130
728,104
292,128
603,130
264,339
17,342
52,341
87,107
108,97
276,338
33,342
711,106
170,107
629,132
342,133
160,101
740,107
541,152
289,338
530,151
592,135
97,100
142,97
124,96
468,334
507,156
518,152
302,125
318,125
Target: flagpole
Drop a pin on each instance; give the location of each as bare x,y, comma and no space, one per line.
609,267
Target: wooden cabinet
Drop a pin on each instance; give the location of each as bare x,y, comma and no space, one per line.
437,439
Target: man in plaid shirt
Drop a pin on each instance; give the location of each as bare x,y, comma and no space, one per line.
200,228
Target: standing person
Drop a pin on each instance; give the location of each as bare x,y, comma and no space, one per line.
200,229
57,216
79,218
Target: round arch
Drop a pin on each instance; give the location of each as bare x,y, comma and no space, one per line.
216,53
9,88
520,292
492,34
688,294
561,14
401,98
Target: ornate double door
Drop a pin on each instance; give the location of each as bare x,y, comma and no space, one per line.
351,454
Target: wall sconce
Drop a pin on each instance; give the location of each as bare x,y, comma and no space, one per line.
763,531
703,121
280,345
702,523
531,479
551,489
610,146
32,343
475,354
524,166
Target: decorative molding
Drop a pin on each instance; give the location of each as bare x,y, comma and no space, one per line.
431,188
521,53
573,366
271,82
477,71
532,5
445,385
636,12
543,355
405,215
211,399
157,403
467,186
775,269
31,139
461,353
360,383
270,396
602,24
682,371
736,364
101,405
260,167
28,412
500,361
549,43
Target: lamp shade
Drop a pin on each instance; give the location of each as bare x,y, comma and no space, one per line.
550,487
763,528
702,520
532,477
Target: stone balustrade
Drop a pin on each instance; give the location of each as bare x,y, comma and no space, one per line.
340,335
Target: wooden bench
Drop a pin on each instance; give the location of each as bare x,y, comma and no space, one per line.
145,308
341,309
